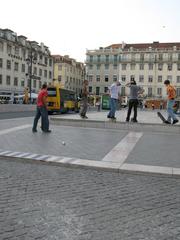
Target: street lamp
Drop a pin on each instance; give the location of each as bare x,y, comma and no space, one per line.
32,59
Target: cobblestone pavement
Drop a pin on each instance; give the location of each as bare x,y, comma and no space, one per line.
40,201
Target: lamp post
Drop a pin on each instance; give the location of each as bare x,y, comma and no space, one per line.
30,61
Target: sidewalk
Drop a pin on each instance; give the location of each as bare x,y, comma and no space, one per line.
118,150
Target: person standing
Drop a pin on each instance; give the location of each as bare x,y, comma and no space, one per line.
84,102
41,111
114,95
171,94
133,100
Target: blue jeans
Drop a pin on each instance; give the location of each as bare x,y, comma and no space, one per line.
43,113
170,104
113,107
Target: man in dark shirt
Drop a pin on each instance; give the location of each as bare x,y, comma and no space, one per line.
133,100
84,100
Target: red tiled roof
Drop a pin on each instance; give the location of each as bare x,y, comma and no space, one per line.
146,45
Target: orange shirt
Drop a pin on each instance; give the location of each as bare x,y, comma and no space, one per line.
171,92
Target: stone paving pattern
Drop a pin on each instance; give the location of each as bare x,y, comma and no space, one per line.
45,202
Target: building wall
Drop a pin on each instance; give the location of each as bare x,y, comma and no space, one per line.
142,63
15,50
69,73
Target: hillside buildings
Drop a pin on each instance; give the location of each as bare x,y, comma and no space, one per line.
148,63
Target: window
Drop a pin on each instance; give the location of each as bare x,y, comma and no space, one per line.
97,78
123,78
45,73
35,71
150,78
159,78
1,46
90,89
115,78
91,59
106,78
23,68
141,67
170,57
150,66
40,84
141,78
9,49
178,79
0,78
40,72
60,67
105,89
15,81
159,91
169,78
107,58
22,83
8,80
124,66
16,65
106,66
178,67
90,67
160,56
98,66
97,90
90,78
8,64
45,60
132,78
17,51
178,56
160,67
178,92
133,66
1,62
59,78
115,58
149,92
98,58
115,66
50,74
141,57
50,62
169,67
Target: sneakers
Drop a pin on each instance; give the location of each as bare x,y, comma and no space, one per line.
82,116
175,121
34,130
134,120
47,131
167,122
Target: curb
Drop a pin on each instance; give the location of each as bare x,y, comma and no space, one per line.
92,164
117,125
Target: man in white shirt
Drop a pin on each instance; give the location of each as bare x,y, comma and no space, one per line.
114,94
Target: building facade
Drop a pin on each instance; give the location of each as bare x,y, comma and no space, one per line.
148,64
23,64
69,73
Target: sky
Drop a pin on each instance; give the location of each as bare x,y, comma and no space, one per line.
70,27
